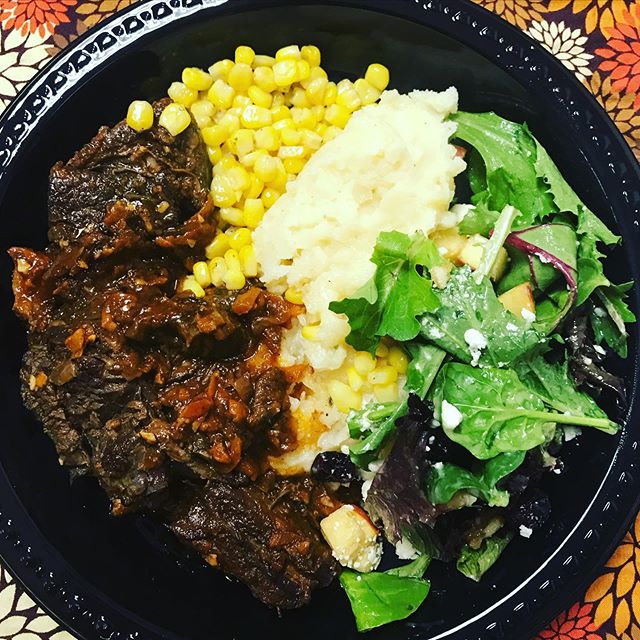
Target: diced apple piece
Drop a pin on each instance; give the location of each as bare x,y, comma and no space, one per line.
450,241
353,538
519,298
471,255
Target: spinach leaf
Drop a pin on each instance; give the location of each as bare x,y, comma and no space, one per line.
379,598
608,321
474,563
509,153
445,480
466,304
554,385
566,199
490,411
376,422
390,302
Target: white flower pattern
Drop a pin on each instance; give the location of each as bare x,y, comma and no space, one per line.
566,44
21,618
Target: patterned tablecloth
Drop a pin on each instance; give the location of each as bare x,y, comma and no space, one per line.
599,40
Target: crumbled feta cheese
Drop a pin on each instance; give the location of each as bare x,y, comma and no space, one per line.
600,312
366,485
451,417
443,251
543,259
525,532
344,449
571,432
587,361
511,326
598,349
374,466
405,550
477,342
294,403
435,333
528,316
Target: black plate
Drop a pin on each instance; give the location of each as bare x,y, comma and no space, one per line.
126,579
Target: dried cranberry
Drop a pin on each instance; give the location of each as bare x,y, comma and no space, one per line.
333,466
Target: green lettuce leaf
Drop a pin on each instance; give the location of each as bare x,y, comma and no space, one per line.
466,304
608,318
390,302
445,480
497,412
474,563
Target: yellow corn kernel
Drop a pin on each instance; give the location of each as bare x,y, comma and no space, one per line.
190,285
294,296
355,379
377,76
240,102
174,118
349,99
382,375
290,136
215,135
303,117
256,186
364,363
311,332
202,111
280,113
330,94
280,183
226,163
292,52
239,238
224,194
201,274
321,129
264,61
221,94
264,79
259,97
303,70
249,159
270,196
238,177
368,93
240,76
285,72
243,141
386,392
244,55
311,140
234,279
267,138
248,261
180,93
256,117
286,151
343,397
299,98
230,122
232,259
215,154
217,270
382,351
293,165
231,215
140,115
337,115
315,91
344,85
266,168
278,99
253,212
330,133
196,79
311,54
217,246
398,359
220,70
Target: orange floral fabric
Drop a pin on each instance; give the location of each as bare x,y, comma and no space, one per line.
598,40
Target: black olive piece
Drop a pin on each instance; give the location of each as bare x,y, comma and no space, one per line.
333,466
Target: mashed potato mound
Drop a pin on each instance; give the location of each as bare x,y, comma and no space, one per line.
392,168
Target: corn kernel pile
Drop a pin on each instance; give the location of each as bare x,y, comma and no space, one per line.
368,376
261,118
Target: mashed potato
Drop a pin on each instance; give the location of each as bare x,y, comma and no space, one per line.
391,169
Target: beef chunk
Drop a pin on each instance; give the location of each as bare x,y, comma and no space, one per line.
153,391
267,532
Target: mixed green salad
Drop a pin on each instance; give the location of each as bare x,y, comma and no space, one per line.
507,348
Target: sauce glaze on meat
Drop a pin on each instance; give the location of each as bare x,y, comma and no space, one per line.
172,402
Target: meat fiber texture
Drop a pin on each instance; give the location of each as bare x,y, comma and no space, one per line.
172,402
